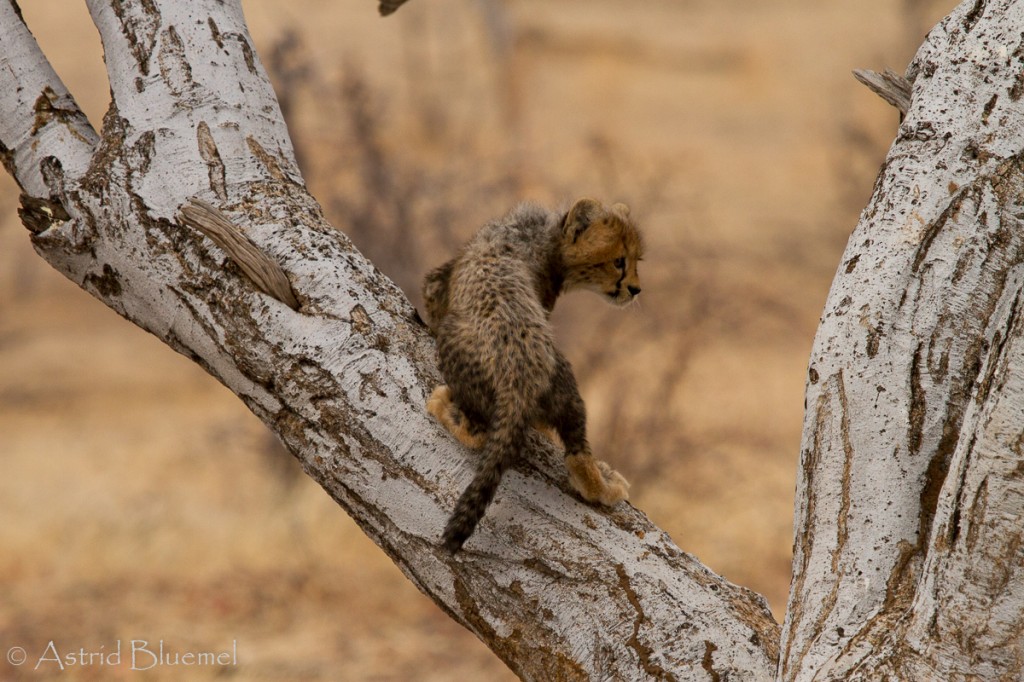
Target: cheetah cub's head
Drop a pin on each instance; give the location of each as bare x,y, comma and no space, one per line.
600,249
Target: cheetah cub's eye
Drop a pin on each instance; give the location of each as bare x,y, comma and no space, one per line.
620,262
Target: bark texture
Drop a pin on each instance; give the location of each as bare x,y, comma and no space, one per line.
908,547
558,589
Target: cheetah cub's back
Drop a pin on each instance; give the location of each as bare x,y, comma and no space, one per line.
488,309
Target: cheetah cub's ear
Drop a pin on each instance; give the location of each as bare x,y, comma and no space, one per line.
582,213
621,210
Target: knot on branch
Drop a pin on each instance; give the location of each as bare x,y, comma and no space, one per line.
38,215
261,269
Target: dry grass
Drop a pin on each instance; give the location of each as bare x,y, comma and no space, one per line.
139,500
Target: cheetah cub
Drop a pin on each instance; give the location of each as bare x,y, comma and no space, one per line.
488,308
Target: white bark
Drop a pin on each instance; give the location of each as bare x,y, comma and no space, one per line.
559,589
37,112
908,531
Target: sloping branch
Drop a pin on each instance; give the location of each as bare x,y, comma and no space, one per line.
559,589
38,112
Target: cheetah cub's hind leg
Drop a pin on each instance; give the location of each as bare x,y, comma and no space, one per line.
549,432
444,409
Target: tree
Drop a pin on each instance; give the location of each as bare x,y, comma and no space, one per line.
907,535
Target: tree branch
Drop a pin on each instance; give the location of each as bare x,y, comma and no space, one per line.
38,118
387,7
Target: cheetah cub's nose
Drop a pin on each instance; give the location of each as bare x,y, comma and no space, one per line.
633,290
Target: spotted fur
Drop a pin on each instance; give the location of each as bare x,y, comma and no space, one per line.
488,308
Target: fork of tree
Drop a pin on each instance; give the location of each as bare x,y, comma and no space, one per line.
909,494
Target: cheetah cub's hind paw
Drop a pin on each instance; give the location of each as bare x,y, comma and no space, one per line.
596,481
451,417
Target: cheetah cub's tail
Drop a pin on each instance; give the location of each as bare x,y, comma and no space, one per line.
504,443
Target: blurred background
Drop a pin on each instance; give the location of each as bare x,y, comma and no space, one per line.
140,500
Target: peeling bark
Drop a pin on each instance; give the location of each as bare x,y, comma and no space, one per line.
261,270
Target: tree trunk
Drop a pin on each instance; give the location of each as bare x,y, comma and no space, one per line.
912,437
908,547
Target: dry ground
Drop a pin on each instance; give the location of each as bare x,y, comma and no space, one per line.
139,499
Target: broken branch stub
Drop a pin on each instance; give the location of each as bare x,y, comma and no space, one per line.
889,85
386,7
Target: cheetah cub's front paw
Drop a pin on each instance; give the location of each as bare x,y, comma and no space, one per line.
596,481
448,413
